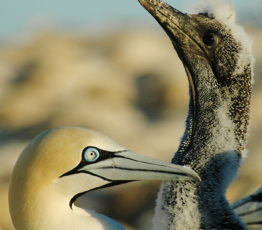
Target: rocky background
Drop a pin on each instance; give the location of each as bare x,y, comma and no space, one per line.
129,85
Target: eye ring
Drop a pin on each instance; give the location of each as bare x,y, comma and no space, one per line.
91,154
209,39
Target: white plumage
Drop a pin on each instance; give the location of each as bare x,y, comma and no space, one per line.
63,163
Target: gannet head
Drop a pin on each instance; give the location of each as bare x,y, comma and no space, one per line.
63,163
217,55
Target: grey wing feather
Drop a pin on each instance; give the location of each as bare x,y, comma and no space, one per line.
249,209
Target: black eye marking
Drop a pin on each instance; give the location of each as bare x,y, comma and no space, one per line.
209,39
91,155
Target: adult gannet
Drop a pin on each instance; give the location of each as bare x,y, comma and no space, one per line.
62,164
217,56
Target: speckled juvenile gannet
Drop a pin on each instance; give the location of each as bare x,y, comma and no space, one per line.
63,163
217,55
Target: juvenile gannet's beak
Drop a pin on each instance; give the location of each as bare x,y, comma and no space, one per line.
130,166
192,41
183,30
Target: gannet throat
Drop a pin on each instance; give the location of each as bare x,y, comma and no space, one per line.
63,163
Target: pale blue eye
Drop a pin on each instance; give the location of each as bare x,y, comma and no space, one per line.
91,154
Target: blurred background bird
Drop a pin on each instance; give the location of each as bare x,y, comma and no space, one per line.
110,67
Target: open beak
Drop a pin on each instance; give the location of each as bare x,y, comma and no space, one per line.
130,166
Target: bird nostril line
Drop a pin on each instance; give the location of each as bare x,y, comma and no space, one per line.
114,165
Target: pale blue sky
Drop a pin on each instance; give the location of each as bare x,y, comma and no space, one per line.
18,16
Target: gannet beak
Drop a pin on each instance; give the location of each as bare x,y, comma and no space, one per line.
183,30
191,40
130,166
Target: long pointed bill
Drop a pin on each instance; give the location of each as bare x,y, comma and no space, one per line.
187,36
184,32
130,166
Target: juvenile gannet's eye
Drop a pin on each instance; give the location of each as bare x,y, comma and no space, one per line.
91,154
209,39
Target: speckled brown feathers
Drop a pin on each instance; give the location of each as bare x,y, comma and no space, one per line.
217,56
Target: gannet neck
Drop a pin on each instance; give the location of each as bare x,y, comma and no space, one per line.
186,205
48,208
